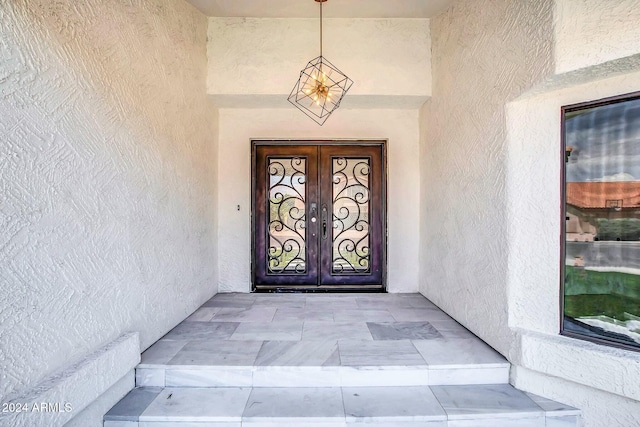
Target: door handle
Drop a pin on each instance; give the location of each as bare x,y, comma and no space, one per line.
324,221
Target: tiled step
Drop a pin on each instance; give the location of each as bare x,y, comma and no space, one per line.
308,340
320,361
338,376
315,363
498,405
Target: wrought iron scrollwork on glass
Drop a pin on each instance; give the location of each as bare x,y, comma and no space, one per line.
351,200
287,180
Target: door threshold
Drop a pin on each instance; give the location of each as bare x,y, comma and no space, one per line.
316,289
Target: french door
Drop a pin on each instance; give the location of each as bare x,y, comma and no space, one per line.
318,216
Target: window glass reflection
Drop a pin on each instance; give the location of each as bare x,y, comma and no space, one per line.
602,228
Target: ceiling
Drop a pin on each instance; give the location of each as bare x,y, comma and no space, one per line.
331,9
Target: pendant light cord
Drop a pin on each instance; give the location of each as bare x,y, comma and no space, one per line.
321,28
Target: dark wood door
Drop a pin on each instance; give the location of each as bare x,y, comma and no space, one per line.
318,216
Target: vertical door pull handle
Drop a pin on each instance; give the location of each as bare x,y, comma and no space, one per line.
324,221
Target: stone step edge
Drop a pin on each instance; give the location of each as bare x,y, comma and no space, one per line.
546,408
323,368
340,420
224,376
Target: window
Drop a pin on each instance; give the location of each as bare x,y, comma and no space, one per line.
601,221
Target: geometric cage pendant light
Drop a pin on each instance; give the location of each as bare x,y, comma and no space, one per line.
321,86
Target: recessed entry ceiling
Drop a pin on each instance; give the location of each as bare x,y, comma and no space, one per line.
331,9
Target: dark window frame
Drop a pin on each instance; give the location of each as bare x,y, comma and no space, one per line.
564,156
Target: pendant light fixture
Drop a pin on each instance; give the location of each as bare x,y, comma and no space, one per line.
321,86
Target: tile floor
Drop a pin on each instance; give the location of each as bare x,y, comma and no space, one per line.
384,360
319,329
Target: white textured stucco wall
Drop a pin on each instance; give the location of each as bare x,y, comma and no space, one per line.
107,185
385,57
590,32
604,380
490,150
92,415
598,408
238,126
484,53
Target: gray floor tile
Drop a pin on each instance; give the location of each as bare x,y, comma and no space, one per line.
133,404
228,301
210,376
553,407
403,331
284,302
303,353
190,331
321,302
186,424
399,404
372,303
203,314
439,423
252,314
379,353
520,421
340,299
272,331
417,314
450,329
282,296
238,296
562,421
422,302
328,331
119,424
284,314
362,315
161,352
198,404
218,353
296,376
499,400
294,404
466,352
151,377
